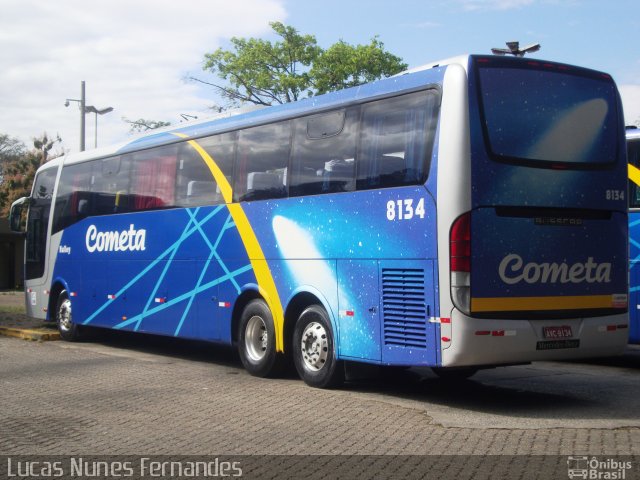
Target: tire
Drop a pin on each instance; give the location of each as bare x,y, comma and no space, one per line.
314,353
69,331
257,341
455,374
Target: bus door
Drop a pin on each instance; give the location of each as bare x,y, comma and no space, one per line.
37,261
548,224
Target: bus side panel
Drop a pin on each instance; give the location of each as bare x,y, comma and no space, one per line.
634,304
359,306
408,336
634,276
166,281
358,231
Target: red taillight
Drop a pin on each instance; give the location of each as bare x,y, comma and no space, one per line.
460,244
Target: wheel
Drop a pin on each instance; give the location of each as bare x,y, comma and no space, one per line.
257,341
314,353
454,374
69,331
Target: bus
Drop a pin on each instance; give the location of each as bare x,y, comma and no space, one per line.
462,215
633,154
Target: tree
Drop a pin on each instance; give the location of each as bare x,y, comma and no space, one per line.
143,125
343,65
19,167
43,145
265,73
10,149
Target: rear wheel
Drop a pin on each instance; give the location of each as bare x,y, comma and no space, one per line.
69,331
257,341
314,352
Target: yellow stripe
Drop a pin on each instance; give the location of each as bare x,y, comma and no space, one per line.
260,267
540,303
634,174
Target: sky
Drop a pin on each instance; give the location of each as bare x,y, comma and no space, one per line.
136,55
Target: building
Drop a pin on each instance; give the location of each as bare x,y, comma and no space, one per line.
11,257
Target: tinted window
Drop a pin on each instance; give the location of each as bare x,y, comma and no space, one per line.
110,186
548,116
153,178
263,156
197,175
73,199
38,223
396,140
324,153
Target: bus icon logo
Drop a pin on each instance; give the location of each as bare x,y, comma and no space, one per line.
578,467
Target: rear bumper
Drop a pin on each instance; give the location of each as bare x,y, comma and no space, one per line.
518,341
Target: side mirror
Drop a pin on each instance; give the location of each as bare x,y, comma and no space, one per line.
17,214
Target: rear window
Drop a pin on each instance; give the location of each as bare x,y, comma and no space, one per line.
553,115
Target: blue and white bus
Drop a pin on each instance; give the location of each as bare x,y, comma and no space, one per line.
633,153
462,215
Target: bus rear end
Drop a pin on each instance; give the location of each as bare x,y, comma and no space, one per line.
538,251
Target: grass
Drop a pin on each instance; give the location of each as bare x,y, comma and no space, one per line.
12,309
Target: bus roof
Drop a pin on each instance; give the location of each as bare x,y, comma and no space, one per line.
242,118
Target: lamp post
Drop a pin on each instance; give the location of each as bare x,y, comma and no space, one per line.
92,109
84,109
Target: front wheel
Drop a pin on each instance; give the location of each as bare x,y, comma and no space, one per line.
69,331
314,352
257,341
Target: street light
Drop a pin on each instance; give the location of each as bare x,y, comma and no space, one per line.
92,109
84,109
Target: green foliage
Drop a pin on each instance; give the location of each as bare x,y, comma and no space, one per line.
142,125
18,167
294,67
44,144
343,65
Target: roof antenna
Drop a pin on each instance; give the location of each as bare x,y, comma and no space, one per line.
515,50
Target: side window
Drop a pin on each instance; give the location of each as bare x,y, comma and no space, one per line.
196,184
396,140
73,200
38,222
263,156
153,179
324,152
633,153
110,186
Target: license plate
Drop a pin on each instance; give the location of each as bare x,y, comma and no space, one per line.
557,332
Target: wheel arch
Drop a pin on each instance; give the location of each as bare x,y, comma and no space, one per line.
248,294
301,299
57,286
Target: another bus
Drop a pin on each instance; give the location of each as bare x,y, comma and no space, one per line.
463,215
633,153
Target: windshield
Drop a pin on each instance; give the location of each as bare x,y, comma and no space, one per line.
537,114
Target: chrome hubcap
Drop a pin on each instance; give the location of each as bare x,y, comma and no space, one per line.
64,315
314,346
256,338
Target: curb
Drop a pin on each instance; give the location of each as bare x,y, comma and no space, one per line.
38,335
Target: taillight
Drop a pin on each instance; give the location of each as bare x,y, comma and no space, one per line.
460,244
460,262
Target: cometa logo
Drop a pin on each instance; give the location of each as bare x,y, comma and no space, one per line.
513,270
127,240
